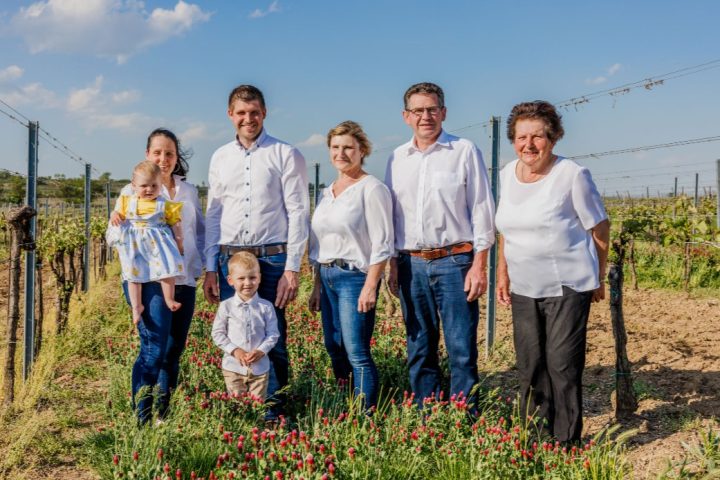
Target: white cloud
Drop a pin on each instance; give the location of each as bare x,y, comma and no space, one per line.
314,140
13,72
31,94
274,7
614,68
126,96
85,99
116,29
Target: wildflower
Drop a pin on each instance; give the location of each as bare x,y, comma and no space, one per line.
351,452
160,454
116,459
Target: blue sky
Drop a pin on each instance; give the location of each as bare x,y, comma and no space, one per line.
100,74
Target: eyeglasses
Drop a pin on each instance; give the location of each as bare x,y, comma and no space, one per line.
418,112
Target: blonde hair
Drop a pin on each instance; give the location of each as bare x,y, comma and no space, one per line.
146,168
353,129
244,260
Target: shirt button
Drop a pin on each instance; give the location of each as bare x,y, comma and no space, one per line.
246,215
247,199
247,183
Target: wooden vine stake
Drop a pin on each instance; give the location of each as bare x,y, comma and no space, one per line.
19,224
625,400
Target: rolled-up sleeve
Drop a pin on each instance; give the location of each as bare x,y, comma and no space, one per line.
480,202
297,205
379,219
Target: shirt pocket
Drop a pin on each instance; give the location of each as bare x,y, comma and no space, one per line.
445,179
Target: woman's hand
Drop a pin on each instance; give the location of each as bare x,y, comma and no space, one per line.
116,218
503,289
314,300
367,299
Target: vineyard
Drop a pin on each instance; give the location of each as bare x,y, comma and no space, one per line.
79,391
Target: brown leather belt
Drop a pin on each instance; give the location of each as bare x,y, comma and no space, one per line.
259,251
435,253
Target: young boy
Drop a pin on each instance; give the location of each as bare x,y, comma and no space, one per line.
245,327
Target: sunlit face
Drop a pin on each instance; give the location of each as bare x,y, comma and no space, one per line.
248,119
163,153
146,186
532,145
425,116
244,280
346,154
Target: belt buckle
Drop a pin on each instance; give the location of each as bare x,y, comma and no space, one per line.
262,251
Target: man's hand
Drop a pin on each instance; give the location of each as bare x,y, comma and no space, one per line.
287,288
254,356
476,278
211,288
392,279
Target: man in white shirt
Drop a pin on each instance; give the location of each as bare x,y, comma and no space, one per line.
443,218
257,202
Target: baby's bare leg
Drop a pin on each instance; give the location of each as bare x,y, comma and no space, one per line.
135,294
168,289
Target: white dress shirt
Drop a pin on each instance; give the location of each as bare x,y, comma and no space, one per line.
257,196
355,226
546,229
441,195
192,223
250,325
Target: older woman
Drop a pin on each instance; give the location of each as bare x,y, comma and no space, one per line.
552,256
163,333
350,241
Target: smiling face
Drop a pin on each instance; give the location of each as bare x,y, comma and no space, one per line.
163,153
346,154
248,119
532,145
424,114
244,280
146,186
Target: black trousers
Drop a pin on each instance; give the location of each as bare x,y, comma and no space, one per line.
549,335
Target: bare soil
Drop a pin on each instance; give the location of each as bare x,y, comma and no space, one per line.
674,348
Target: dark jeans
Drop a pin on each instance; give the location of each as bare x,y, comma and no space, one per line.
431,292
162,341
272,268
550,336
347,332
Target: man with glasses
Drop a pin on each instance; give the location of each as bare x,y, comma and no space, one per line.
257,202
443,216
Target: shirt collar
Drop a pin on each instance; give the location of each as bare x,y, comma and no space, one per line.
258,141
239,302
443,140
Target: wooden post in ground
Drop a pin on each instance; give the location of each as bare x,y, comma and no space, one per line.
19,224
625,400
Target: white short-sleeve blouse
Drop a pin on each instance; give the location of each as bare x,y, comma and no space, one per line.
546,229
356,226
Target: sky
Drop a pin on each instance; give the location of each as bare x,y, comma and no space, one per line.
99,75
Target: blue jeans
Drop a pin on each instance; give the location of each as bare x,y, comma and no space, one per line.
272,268
348,332
431,291
154,330
179,327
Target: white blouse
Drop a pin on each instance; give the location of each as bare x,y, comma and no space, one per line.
546,227
356,226
193,228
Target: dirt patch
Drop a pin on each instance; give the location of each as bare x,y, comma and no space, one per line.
673,346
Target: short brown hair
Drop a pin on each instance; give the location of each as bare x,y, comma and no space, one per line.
537,110
427,88
354,129
243,260
246,93
147,168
